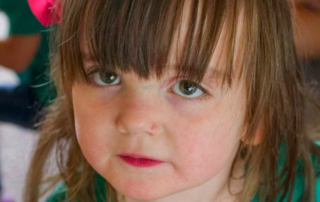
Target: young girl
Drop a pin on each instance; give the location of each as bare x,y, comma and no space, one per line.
173,100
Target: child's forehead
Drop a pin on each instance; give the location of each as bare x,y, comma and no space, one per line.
213,73
142,46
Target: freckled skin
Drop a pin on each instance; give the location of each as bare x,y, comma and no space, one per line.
196,140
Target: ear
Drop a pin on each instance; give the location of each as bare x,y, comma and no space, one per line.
258,137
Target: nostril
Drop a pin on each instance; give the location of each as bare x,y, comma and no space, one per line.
153,127
136,126
136,117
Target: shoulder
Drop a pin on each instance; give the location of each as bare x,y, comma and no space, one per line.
60,195
299,185
317,187
300,180
317,190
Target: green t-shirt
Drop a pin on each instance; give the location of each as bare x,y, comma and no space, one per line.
100,191
100,188
23,22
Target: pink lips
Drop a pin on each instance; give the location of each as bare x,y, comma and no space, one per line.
139,161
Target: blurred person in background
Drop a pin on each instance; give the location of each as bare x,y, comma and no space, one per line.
307,36
25,51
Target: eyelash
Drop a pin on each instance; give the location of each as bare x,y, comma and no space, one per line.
206,95
90,80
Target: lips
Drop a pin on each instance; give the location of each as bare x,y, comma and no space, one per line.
139,160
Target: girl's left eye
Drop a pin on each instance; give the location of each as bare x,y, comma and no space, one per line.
105,78
187,88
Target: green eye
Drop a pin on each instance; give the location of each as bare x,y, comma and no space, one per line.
106,78
187,88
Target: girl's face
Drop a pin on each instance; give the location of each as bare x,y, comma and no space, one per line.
165,139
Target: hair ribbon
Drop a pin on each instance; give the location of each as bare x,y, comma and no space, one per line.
46,11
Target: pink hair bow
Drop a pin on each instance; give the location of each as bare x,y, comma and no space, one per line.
46,11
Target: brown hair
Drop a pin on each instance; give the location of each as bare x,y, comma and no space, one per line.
137,35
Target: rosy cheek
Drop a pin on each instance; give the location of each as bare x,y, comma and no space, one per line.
88,136
190,149
93,148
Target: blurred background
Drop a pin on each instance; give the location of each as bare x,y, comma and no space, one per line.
16,143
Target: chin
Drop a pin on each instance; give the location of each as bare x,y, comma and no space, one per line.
142,193
140,197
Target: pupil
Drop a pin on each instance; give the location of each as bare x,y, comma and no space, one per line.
108,77
187,87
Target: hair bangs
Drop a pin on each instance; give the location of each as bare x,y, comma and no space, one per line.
148,37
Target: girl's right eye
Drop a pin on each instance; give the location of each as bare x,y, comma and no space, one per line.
103,78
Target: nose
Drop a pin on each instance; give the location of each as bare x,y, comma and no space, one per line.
139,116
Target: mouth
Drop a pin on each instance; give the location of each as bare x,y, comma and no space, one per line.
139,161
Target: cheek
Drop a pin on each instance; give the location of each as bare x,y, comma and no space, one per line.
207,143
91,131
207,152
